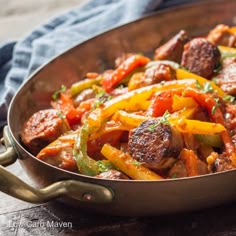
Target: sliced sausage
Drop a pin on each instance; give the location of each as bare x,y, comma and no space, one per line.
226,79
42,128
155,74
230,120
173,49
201,57
221,35
154,144
222,163
158,73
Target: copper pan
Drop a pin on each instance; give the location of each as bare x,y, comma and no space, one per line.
115,197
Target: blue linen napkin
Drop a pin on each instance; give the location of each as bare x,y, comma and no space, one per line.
19,59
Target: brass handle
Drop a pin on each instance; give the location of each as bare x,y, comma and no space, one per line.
9,156
15,187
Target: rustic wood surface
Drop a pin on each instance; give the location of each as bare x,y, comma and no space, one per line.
19,218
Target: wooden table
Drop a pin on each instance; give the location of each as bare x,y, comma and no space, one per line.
20,218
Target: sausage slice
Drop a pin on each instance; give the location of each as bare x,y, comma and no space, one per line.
42,128
154,144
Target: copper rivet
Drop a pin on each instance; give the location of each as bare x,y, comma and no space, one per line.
87,197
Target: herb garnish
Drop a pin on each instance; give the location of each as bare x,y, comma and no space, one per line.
56,94
206,88
137,163
102,97
229,98
61,115
104,166
198,85
215,106
214,80
162,120
174,176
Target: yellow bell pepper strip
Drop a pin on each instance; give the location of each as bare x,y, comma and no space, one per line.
130,119
109,81
169,101
198,127
78,87
132,101
109,127
233,29
183,74
136,81
180,103
128,165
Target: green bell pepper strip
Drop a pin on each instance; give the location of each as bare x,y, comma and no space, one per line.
78,87
86,165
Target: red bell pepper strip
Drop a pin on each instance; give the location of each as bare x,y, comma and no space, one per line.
65,105
112,79
161,103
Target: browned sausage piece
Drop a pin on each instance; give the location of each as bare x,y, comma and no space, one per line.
112,174
226,79
201,57
158,73
42,128
155,74
155,145
230,120
221,35
222,163
173,49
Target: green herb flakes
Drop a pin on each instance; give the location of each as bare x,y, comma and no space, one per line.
137,163
215,106
162,120
61,115
56,94
229,98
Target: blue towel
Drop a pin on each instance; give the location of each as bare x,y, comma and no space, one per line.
19,59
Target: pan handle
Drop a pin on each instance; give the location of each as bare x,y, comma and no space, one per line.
15,187
9,156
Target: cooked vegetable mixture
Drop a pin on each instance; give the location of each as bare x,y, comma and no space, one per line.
171,116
